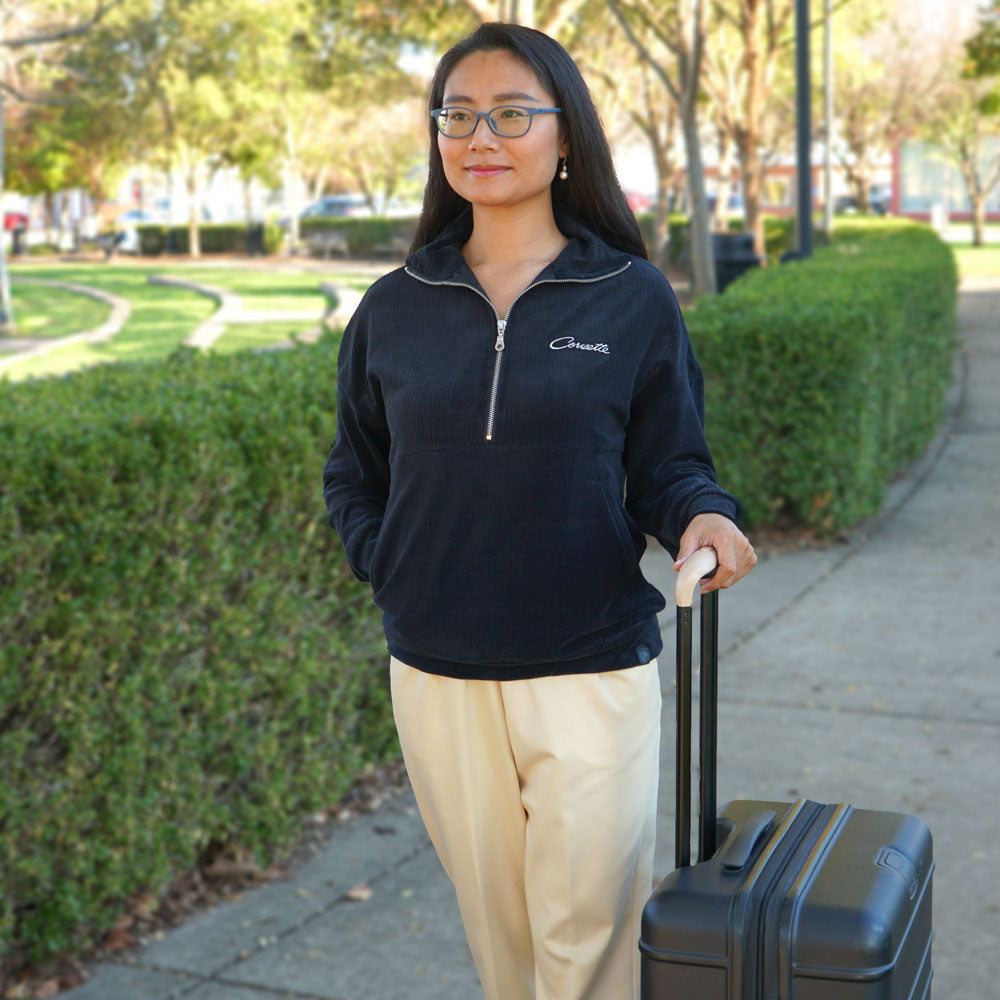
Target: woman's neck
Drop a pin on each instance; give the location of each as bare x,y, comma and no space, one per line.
510,236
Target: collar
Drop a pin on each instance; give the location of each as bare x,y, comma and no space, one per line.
585,257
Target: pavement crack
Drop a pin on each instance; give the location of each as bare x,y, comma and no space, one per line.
882,713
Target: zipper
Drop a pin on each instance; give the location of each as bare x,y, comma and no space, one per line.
498,347
500,343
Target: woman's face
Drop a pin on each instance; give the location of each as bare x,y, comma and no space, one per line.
488,169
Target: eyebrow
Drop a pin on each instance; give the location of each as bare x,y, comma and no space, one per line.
513,95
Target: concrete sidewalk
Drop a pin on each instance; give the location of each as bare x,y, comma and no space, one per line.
868,672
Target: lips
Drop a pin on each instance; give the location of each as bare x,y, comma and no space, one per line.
485,170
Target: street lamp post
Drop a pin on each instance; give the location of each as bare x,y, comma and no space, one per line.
803,130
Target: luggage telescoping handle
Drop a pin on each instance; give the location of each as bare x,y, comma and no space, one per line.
699,565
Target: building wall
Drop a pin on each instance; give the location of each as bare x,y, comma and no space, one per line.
924,179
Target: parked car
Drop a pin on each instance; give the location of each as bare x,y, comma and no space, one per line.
879,201
336,206
128,235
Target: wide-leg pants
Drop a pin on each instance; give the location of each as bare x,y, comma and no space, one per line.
539,796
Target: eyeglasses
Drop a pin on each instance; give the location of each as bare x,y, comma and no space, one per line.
508,121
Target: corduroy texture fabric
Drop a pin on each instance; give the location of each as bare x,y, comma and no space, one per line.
540,798
464,533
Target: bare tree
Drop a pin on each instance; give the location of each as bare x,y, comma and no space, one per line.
966,126
741,81
679,29
895,62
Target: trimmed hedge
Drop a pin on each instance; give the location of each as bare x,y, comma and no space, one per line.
367,236
779,234
186,658
826,376
214,237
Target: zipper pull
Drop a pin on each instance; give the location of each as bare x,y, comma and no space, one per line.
501,326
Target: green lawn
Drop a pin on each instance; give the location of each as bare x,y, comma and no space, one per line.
254,336
53,312
260,289
978,262
162,317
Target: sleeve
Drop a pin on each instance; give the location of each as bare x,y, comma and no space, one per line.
670,476
356,475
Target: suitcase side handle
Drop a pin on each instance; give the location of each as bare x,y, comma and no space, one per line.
697,566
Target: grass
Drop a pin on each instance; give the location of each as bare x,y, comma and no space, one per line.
261,289
977,262
162,317
47,312
255,336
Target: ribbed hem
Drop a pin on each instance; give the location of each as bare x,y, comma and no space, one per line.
637,645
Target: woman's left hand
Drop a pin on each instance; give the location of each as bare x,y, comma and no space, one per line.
736,554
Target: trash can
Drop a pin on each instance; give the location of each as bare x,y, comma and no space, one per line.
255,240
733,253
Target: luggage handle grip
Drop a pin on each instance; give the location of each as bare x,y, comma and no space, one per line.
736,855
697,566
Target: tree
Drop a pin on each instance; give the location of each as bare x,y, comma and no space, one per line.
28,33
671,42
892,64
967,126
743,64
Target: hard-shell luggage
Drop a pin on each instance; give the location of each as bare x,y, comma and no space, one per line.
788,901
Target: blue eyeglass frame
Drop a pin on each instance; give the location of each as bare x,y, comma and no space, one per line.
477,115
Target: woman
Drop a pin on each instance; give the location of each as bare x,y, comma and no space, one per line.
516,407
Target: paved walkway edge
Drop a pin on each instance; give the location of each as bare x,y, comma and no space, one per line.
121,309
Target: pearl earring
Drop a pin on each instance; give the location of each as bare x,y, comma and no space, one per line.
563,174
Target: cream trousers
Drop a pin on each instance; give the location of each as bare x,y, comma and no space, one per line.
539,796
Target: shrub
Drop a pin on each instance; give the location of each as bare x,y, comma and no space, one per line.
223,237
186,658
779,235
826,376
366,236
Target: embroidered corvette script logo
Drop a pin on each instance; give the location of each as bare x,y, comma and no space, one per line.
561,343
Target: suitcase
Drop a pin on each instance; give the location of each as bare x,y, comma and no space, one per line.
788,901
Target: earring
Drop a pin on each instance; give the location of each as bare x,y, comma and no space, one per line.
563,174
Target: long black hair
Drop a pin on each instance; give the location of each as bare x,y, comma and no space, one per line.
591,193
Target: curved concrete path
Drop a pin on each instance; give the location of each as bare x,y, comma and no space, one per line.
868,672
121,309
232,310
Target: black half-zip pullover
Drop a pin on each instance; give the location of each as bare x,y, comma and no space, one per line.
493,476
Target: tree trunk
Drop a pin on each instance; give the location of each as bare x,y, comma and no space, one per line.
752,175
248,201
863,192
978,219
748,141
699,241
723,186
661,224
194,239
6,306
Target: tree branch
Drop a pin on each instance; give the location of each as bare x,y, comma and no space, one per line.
644,53
481,10
104,6
562,13
52,102
790,40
